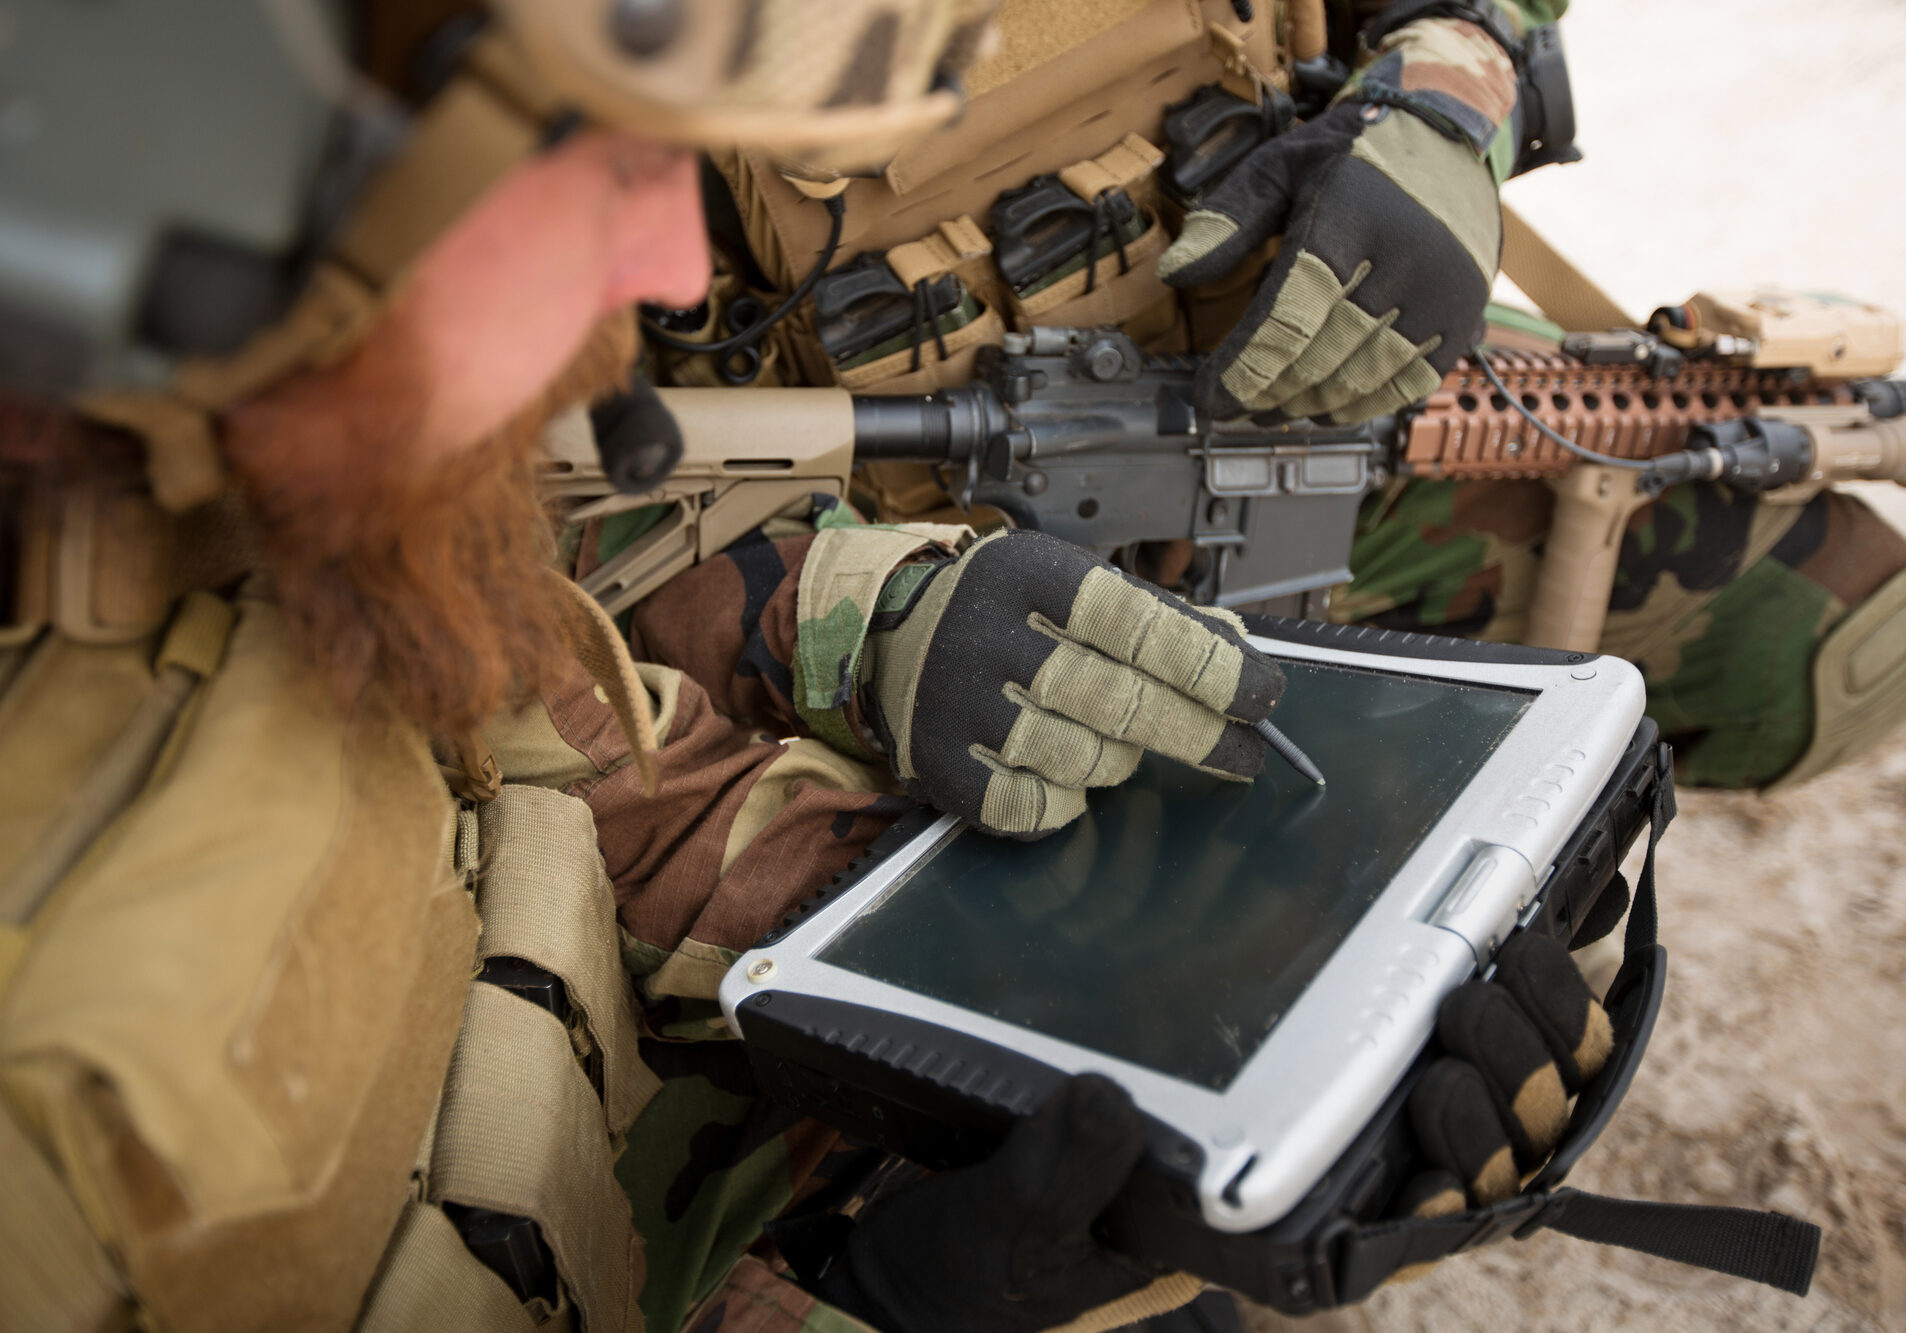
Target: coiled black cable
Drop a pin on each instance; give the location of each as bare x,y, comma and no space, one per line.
754,333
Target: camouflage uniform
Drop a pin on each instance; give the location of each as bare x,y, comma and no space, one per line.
746,824
1720,598
750,817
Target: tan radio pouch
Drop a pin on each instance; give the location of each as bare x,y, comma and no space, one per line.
236,948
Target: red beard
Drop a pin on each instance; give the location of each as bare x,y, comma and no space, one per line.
429,577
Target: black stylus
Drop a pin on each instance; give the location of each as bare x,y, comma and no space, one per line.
1292,755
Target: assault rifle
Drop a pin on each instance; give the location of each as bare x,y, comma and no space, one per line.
1077,433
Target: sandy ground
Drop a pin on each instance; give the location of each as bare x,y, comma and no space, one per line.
1733,142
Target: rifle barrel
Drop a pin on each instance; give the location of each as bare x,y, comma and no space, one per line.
952,424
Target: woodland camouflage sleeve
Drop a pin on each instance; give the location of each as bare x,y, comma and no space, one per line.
729,622
1454,75
773,635
754,811
748,819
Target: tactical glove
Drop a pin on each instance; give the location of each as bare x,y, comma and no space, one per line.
1006,1245
1007,681
1392,233
1519,1046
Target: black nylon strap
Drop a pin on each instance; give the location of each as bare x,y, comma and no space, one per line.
1763,1247
1644,916
1767,1247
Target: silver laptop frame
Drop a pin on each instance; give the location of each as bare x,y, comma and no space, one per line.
1333,1058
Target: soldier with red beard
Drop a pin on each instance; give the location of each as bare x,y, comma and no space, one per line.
319,1005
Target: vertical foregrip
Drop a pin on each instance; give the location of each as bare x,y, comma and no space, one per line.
1592,506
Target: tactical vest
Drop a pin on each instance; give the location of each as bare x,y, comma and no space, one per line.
1073,100
289,1037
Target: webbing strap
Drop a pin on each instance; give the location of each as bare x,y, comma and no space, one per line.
1761,1246
1122,166
940,251
521,1132
1559,289
430,1280
53,1274
544,897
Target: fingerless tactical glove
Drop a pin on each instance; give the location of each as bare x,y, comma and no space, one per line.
1006,682
1392,234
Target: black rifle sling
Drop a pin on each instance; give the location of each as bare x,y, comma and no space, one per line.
1763,1246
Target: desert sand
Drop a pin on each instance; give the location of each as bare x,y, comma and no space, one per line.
1731,143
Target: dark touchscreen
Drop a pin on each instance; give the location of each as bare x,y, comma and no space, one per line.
1176,922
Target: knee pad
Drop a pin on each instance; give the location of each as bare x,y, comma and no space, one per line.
1859,683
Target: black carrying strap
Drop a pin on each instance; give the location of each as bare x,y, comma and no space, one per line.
1762,1246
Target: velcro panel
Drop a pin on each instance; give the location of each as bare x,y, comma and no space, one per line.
544,897
431,1280
521,1132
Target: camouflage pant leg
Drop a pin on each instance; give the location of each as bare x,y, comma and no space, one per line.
708,1164
1720,600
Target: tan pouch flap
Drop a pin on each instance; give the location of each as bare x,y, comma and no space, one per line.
951,245
232,1018
430,1280
521,1132
1122,167
545,898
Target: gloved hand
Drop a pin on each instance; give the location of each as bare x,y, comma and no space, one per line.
1006,682
1519,1046
1006,1245
1392,235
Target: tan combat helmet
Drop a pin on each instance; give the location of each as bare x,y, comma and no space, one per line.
260,248
837,85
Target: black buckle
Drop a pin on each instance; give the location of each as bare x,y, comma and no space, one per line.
1518,1217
